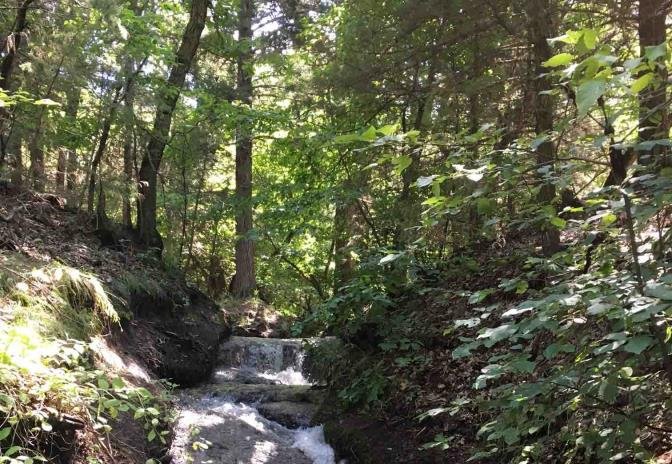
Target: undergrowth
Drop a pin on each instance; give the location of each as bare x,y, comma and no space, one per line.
53,396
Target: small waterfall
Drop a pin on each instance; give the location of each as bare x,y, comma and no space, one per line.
257,409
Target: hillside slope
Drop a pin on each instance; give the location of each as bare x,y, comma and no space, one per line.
87,331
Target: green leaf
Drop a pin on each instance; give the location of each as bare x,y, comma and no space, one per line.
589,38
401,163
426,181
347,138
587,95
661,291
389,130
522,287
656,52
554,349
561,59
642,82
47,102
4,433
608,219
369,135
638,344
558,222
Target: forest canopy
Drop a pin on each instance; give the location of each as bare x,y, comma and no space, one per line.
452,186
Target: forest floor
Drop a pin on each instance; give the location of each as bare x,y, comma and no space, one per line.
418,373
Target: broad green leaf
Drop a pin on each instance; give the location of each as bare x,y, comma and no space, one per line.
4,433
347,138
589,38
561,59
47,102
554,349
558,222
401,163
661,291
656,52
608,219
426,181
389,129
369,135
642,82
587,95
638,344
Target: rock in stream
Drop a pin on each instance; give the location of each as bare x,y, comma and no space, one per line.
256,409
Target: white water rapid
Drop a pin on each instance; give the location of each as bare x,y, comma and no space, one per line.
257,409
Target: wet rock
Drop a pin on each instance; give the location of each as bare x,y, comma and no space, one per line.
246,393
289,414
176,331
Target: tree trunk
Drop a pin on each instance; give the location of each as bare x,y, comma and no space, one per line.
129,155
8,64
244,281
61,170
167,101
541,27
37,173
653,117
349,229
72,108
100,151
407,203
15,152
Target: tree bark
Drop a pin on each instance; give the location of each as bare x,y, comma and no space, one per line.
541,27
37,173
15,151
408,201
244,281
100,150
167,101
653,117
349,229
73,101
8,65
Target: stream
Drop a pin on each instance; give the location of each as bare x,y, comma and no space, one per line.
256,409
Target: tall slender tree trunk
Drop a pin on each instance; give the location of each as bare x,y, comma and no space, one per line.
61,170
653,116
349,229
37,173
100,151
72,164
165,106
15,152
8,65
244,281
407,203
541,17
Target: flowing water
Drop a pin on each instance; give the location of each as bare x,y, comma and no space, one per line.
257,409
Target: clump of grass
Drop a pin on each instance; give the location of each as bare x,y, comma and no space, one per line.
48,316
59,301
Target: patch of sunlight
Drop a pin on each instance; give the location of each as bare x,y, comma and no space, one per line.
263,451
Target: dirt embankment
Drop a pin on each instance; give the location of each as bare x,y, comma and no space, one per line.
168,329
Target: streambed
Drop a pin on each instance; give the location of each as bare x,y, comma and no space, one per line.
256,409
